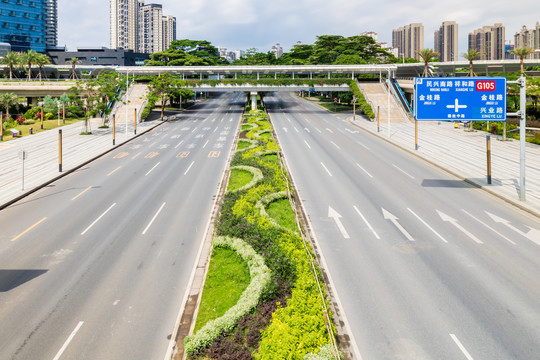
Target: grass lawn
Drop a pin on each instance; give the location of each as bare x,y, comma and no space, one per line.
266,135
273,158
47,125
239,178
282,212
228,276
242,144
246,127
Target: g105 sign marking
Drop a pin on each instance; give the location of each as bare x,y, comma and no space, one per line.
466,99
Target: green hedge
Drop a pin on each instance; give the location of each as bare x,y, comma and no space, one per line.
362,103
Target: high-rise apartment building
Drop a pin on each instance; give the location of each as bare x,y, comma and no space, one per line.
25,24
150,28
169,31
124,24
529,38
51,23
409,40
446,41
489,41
277,50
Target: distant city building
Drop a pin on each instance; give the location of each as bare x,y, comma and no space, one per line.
25,24
4,49
150,28
489,41
277,50
529,38
51,23
409,40
124,24
230,55
446,41
507,54
169,31
98,56
372,34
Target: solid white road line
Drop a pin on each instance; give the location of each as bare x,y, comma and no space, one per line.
427,225
364,170
336,145
296,129
368,224
307,144
489,227
180,143
66,344
99,218
325,168
461,347
152,169
215,129
403,171
190,165
206,143
154,218
362,145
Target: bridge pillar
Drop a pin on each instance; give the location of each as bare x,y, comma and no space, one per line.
253,100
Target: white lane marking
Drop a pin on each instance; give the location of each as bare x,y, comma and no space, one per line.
195,129
289,120
221,120
180,143
206,143
307,130
394,219
333,214
461,347
329,130
296,129
454,222
190,165
99,218
336,145
152,169
230,120
307,144
362,145
364,170
320,132
352,132
116,302
489,227
153,219
397,167
532,234
285,129
427,225
368,224
325,168
215,129
66,344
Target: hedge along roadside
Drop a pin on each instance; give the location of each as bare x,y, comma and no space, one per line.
362,103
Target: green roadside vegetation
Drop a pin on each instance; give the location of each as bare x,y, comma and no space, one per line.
239,178
36,127
282,212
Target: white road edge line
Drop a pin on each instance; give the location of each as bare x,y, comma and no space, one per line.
461,347
325,168
190,165
427,225
99,218
364,170
307,144
66,344
152,169
403,171
368,224
153,219
336,145
489,227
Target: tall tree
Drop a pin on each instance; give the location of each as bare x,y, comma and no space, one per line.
163,87
42,60
73,61
522,53
7,100
11,59
187,53
29,58
471,55
427,55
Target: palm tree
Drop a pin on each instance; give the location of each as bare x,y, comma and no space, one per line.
29,58
427,55
6,101
41,61
11,59
73,61
472,55
522,52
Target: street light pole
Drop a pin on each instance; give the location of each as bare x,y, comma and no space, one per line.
127,106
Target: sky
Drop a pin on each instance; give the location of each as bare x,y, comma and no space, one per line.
244,24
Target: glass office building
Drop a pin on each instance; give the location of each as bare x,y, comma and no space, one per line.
23,24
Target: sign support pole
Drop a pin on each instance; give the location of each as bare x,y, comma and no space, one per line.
522,135
60,150
488,148
416,134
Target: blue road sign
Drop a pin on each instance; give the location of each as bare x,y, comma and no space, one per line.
465,99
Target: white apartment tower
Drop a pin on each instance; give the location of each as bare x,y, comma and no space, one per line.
409,40
446,41
51,23
489,41
150,28
124,24
529,38
169,31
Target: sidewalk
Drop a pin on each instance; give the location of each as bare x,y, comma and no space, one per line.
464,155
41,164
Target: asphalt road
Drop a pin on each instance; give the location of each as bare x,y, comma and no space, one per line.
96,265
425,266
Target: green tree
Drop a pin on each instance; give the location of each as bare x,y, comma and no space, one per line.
11,59
29,58
73,61
427,55
163,87
105,89
6,101
522,53
471,55
42,60
187,53
349,60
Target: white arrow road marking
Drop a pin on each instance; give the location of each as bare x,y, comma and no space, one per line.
307,130
532,234
352,132
489,227
368,224
285,129
427,225
336,216
389,216
454,222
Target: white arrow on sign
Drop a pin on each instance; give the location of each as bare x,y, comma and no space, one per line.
333,214
532,234
456,106
285,129
352,132
389,216
454,222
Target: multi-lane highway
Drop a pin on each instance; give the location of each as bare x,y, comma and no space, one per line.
96,265
425,266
